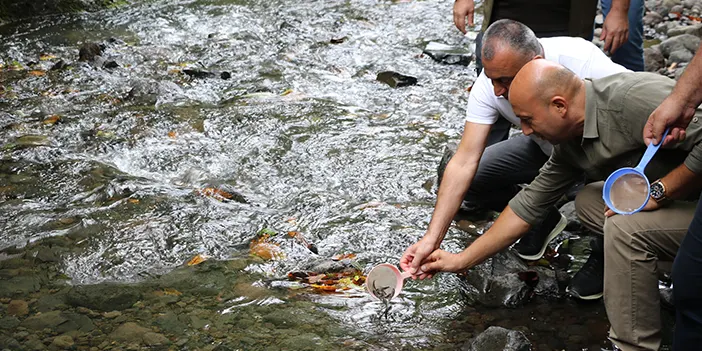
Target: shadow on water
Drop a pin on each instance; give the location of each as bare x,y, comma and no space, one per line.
104,169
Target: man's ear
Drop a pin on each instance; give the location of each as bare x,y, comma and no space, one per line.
537,57
560,104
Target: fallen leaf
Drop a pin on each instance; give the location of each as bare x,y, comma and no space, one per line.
287,92
215,193
266,250
266,232
197,260
133,201
172,292
344,256
46,57
51,120
172,134
326,288
37,73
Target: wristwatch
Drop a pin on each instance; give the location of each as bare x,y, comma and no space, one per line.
658,191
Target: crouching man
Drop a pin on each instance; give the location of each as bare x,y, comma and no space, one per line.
597,127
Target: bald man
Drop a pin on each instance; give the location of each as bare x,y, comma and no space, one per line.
596,127
488,169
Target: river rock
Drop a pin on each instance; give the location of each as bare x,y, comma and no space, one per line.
695,29
112,314
395,80
676,9
155,339
18,308
497,282
9,322
669,4
498,339
104,297
547,283
680,42
129,332
21,285
75,322
89,51
453,55
652,18
689,3
653,59
63,342
679,56
40,321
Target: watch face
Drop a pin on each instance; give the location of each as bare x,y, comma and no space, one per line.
657,191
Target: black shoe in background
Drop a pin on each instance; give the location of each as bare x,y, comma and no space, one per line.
534,243
588,283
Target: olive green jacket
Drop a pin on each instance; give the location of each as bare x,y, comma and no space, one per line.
582,17
616,110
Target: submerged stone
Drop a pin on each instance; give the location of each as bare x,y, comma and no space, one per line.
41,321
129,332
396,80
104,297
18,308
63,342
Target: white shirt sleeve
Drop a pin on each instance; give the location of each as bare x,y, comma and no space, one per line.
482,107
602,66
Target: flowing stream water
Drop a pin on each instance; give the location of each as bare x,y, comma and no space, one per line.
302,133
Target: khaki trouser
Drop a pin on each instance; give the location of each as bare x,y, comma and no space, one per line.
633,247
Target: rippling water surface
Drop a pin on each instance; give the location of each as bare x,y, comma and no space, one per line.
302,131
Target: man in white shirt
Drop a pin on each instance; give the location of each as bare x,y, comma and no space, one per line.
488,174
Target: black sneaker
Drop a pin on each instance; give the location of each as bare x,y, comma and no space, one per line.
588,283
534,243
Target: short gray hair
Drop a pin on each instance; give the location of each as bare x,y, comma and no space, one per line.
515,35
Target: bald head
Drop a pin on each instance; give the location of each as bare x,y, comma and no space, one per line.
549,99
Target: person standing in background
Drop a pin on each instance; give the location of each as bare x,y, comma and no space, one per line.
676,112
622,27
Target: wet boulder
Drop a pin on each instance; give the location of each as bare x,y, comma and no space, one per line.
695,29
396,80
448,54
498,339
680,56
681,42
653,59
497,282
90,51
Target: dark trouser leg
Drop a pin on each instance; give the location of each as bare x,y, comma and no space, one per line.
502,168
687,288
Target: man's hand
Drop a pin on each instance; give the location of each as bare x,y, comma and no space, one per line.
671,113
461,10
615,30
442,261
415,255
651,205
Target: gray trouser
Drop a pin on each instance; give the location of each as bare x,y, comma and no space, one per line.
634,247
505,164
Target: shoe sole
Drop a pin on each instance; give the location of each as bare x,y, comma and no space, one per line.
562,223
586,298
